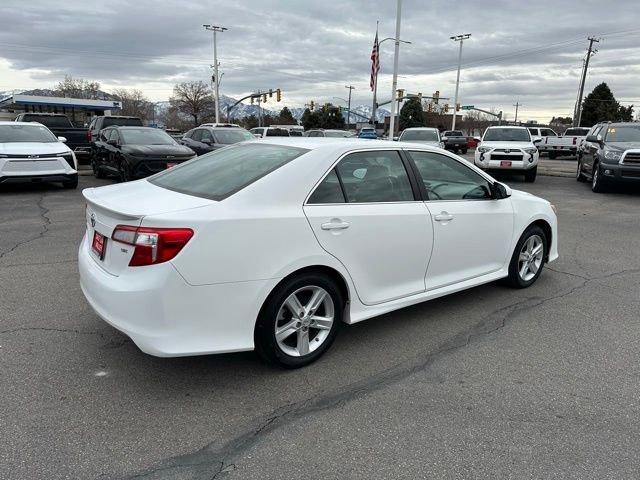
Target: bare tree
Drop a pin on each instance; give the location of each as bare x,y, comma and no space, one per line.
193,99
78,88
134,103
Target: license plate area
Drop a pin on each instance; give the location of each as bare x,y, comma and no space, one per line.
99,245
505,163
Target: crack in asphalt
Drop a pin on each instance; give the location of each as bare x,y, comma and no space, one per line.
45,228
229,451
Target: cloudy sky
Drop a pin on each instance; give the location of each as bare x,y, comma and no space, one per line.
530,52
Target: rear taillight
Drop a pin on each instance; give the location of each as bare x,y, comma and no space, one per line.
152,245
89,136
574,140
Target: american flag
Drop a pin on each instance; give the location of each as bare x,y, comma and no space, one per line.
375,62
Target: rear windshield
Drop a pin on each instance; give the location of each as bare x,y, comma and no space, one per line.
579,132
26,133
232,136
121,122
277,132
453,133
336,134
49,121
224,172
146,136
506,135
420,135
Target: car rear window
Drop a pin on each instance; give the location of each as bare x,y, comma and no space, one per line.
220,174
121,122
49,120
580,132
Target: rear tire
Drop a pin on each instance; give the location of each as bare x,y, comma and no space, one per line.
530,175
527,262
464,151
553,155
280,332
579,174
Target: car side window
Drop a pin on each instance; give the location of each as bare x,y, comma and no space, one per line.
329,190
188,134
206,135
374,176
114,135
197,135
447,179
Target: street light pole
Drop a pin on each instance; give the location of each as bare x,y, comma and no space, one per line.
394,86
350,87
461,39
215,29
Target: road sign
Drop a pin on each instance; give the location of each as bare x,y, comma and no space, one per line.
467,107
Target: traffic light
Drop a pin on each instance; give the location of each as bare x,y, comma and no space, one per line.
436,96
264,98
312,105
429,107
251,100
270,93
446,108
278,95
457,107
400,93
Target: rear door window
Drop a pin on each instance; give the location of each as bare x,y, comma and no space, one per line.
329,190
374,176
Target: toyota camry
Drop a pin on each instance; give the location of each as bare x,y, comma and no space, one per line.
272,245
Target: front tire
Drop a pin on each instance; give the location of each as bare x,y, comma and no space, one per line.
299,321
530,175
124,172
598,184
528,258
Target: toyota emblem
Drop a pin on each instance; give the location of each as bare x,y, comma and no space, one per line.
93,220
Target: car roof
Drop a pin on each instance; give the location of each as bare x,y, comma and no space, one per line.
127,127
48,114
509,126
30,124
423,128
341,143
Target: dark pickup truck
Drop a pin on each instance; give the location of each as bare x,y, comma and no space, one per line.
454,140
61,126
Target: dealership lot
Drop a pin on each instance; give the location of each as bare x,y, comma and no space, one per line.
488,382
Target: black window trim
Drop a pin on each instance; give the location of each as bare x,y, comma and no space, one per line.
423,191
417,196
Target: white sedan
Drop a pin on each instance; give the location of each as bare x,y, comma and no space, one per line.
30,152
272,244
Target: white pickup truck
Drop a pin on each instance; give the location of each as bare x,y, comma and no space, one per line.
566,144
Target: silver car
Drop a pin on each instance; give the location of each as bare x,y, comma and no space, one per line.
425,135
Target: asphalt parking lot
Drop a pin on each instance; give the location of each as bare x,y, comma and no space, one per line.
487,383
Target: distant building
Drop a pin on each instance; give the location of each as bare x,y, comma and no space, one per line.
79,110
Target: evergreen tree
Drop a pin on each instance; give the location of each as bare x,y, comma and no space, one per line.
286,118
601,106
310,120
411,114
331,117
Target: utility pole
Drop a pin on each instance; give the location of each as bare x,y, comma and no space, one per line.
517,104
461,39
350,87
215,29
394,86
592,40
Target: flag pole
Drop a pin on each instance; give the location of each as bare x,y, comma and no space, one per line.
375,84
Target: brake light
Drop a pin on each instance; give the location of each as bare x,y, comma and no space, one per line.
89,136
574,140
152,245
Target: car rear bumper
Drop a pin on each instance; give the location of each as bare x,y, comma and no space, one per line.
167,317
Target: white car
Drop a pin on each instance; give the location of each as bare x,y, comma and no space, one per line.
508,149
272,244
29,152
422,135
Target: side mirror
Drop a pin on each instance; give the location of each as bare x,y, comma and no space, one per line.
501,191
62,139
395,139
537,140
206,141
112,142
594,138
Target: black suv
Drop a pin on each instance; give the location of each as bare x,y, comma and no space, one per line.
205,139
136,152
610,154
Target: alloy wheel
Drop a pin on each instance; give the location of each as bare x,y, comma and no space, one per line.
530,259
304,321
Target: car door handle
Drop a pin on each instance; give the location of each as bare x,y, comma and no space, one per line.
443,217
335,225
